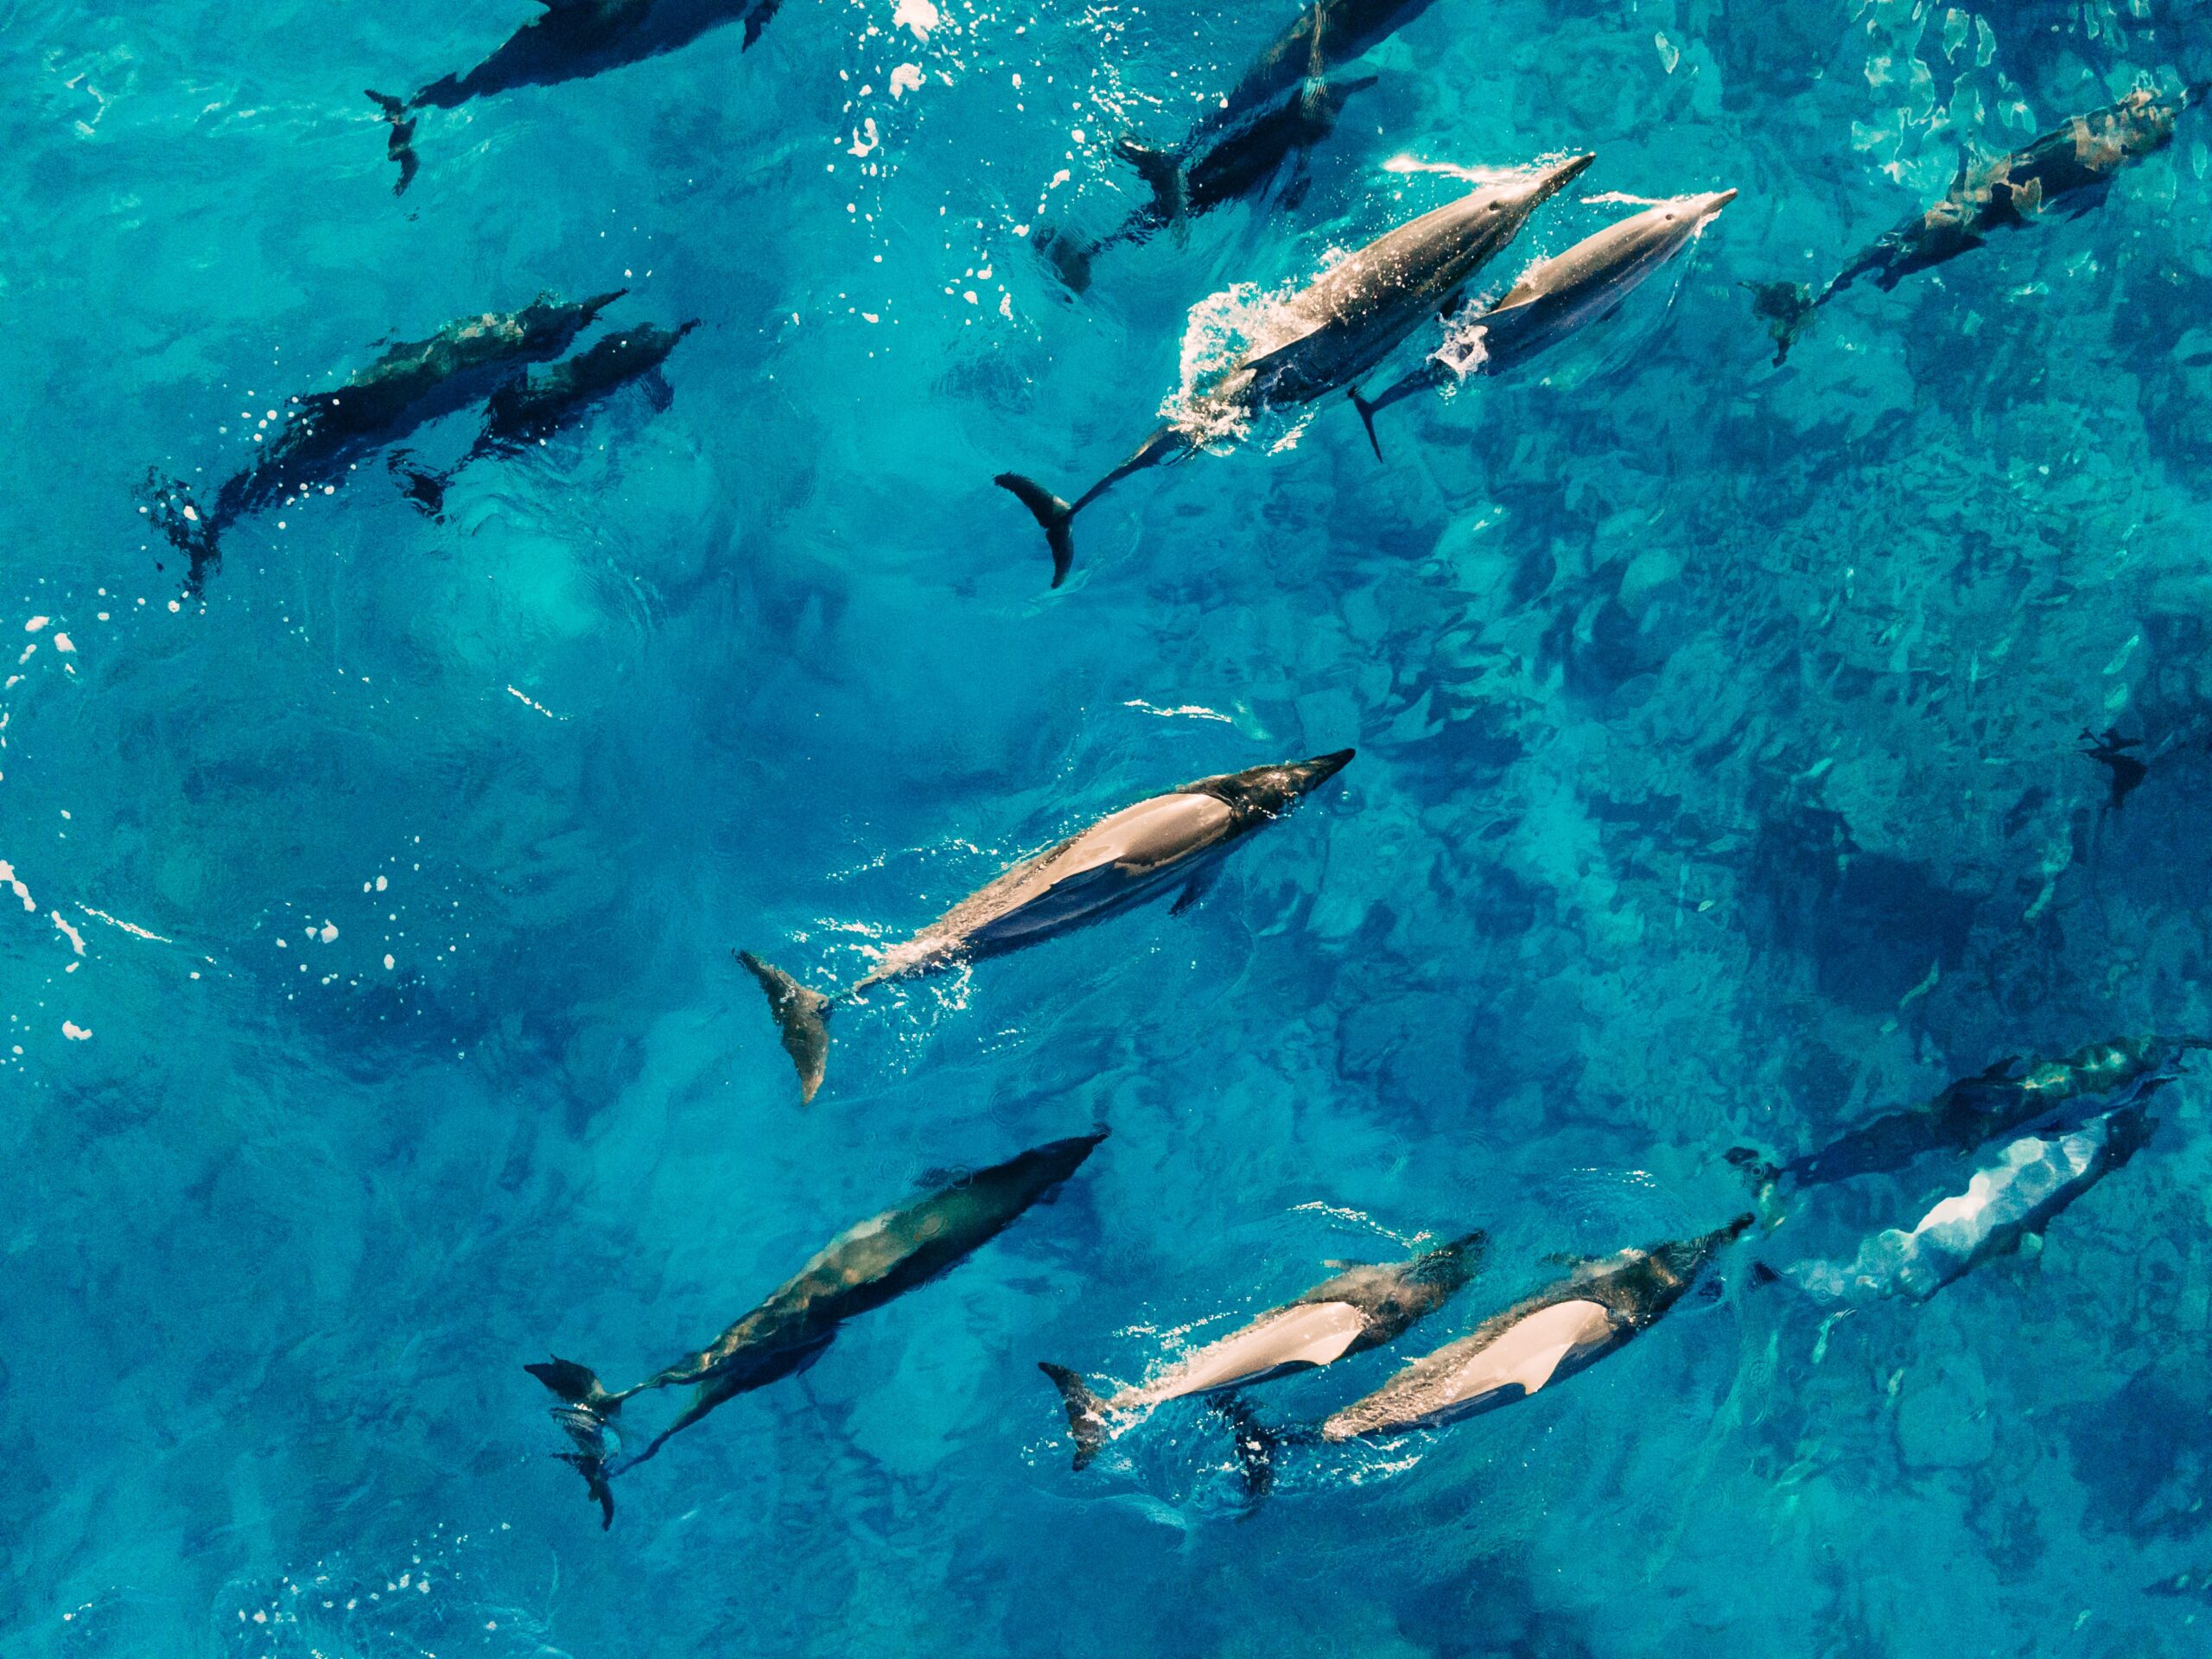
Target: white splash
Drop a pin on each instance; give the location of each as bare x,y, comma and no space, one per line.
906,78
8,876
131,928
918,16
76,939
540,707
1188,711
75,1032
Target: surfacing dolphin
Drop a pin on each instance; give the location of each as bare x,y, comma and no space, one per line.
1127,857
1564,1328
530,409
572,40
2070,168
1555,298
2014,1094
2030,1184
861,1269
1284,104
1327,334
411,386
1363,1307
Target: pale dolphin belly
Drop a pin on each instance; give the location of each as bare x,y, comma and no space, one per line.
1553,1342
1298,1338
1117,860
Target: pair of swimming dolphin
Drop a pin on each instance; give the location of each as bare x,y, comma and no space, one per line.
323,435
1329,333
572,40
1174,840
1282,106
2070,168
863,1267
1544,1338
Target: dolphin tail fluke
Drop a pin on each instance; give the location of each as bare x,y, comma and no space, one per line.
1086,1411
802,1016
594,1470
1164,173
1367,419
1256,1447
1053,516
400,145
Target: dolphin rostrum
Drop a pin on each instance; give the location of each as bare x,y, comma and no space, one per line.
530,408
1327,334
1125,858
1555,298
573,39
1284,104
1363,1307
411,386
2013,1094
1541,1340
861,1269
2071,167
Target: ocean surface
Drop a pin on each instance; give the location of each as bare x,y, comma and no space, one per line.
365,921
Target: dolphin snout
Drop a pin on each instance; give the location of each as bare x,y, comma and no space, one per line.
1719,199
599,302
1312,774
1557,177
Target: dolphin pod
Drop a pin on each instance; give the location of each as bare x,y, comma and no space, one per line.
864,1267
573,39
1328,333
1125,858
1364,1306
2070,168
1282,106
325,433
530,408
1555,298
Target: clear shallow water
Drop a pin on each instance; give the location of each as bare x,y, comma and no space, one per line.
1714,783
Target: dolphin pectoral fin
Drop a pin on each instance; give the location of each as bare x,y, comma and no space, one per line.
1257,1445
1086,1411
1053,516
758,22
1194,890
802,1016
1367,419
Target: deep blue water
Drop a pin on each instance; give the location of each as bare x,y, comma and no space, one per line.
1717,782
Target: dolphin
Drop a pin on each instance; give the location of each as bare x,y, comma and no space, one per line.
1328,333
573,39
530,408
1362,1307
411,386
861,1269
1125,858
2071,167
1561,1329
1555,298
2031,1183
1284,104
2013,1094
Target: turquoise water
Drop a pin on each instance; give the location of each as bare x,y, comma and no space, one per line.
371,1026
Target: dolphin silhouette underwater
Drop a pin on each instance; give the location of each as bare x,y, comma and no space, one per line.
1283,104
572,39
865,1266
1122,860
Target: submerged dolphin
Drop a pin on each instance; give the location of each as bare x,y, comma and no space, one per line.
572,40
861,1269
2013,1094
2071,167
530,408
2023,1192
1363,1307
1328,333
409,386
1123,858
1560,1329
1285,103
1555,298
